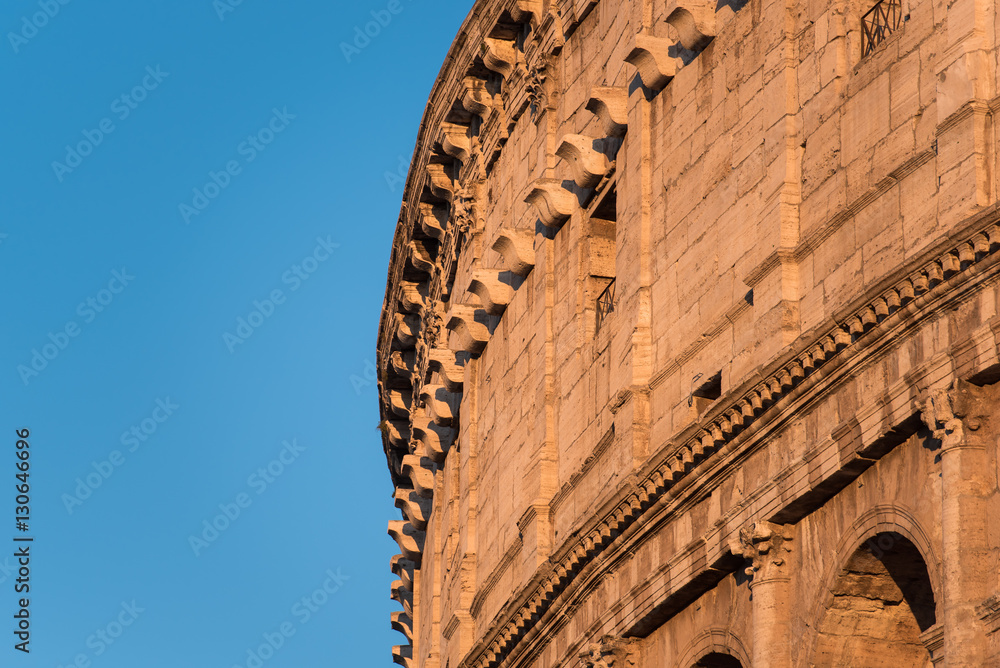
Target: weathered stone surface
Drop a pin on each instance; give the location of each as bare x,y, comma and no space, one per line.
689,351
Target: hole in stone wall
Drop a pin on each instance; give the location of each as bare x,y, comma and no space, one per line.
718,660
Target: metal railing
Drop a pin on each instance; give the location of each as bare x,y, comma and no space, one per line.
878,23
605,303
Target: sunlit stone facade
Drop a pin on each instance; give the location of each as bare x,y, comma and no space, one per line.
690,335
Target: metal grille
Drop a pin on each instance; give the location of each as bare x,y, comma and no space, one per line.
605,303
880,22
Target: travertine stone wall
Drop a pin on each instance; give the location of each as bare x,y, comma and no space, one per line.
683,308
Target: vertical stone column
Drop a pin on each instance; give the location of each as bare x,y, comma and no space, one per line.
766,545
958,417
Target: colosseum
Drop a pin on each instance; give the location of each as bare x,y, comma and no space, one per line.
689,343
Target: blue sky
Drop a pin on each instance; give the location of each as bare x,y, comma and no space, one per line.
197,224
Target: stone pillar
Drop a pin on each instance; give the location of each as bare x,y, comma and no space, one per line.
610,652
958,417
766,545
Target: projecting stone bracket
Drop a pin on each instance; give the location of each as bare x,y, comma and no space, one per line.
400,402
398,433
398,591
517,247
409,539
420,257
437,440
412,296
695,24
440,401
455,141
499,56
433,220
445,363
407,329
588,165
472,335
420,471
475,98
403,655
652,57
554,203
439,181
494,294
401,622
416,508
402,362
524,10
610,105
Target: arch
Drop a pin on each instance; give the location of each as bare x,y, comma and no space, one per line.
879,603
714,644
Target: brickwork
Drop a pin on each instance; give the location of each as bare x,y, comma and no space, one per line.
689,339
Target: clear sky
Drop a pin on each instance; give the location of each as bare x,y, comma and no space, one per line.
196,227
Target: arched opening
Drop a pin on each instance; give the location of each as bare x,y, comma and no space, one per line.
880,603
718,660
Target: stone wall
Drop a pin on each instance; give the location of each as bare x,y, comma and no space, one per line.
679,286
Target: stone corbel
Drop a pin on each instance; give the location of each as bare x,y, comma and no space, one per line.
554,203
416,508
499,56
399,592
433,220
420,257
407,329
475,98
438,399
401,622
446,365
651,56
524,10
403,568
610,105
398,433
494,295
420,471
400,402
455,141
402,655
437,440
766,545
409,539
694,22
402,362
439,181
412,296
517,247
588,165
472,334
